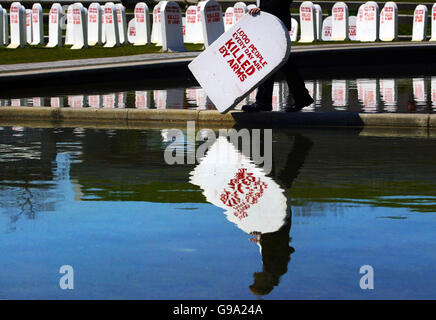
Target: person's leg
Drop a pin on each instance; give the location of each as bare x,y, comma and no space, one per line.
263,97
296,86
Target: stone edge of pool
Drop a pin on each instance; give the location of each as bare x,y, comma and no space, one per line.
215,119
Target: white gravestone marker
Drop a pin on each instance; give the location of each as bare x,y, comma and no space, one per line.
54,26
69,35
241,59
37,25
191,24
339,22
122,23
198,34
212,21
18,26
294,30
370,17
318,21
251,6
79,27
228,18
389,22
307,22
131,31
156,33
419,31
327,29
2,42
142,24
29,32
352,35
239,11
111,26
172,32
433,23
94,24
5,27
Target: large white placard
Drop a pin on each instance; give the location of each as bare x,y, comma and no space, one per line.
239,11
228,18
37,25
111,26
211,20
79,27
326,34
389,22
419,32
241,59
94,24
142,24
54,26
121,22
156,32
352,34
307,22
172,29
18,25
339,22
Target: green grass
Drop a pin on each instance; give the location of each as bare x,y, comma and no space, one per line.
42,54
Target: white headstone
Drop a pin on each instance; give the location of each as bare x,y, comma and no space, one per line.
111,26
18,25
172,32
239,11
69,35
251,6
131,31
54,26
228,18
318,21
307,22
389,22
368,22
419,32
339,93
327,29
29,30
211,20
339,22
352,20
243,57
191,24
294,30
103,25
2,42
156,33
5,27
141,24
79,27
94,24
37,25
433,23
122,23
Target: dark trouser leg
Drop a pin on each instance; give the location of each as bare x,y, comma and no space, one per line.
296,83
265,92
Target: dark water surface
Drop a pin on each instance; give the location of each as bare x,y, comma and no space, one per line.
132,226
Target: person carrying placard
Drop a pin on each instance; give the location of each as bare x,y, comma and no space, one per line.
302,98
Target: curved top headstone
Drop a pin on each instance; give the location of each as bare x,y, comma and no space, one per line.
239,11
241,59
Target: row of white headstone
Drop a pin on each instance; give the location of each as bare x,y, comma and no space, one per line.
369,25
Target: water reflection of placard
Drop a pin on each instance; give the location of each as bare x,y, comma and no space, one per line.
389,94
142,100
368,94
168,99
420,91
340,94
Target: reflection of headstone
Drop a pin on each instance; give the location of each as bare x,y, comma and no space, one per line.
339,93
420,91
121,22
156,33
318,21
38,102
202,100
94,101
367,94
121,99
168,99
56,102
228,18
241,59
239,11
327,29
75,101
318,92
311,87
37,25
17,102
352,35
69,35
109,100
29,26
131,31
389,22
79,29
111,26
94,24
433,92
419,31
172,32
389,94
141,24
142,100
433,23
211,20
339,22
307,22
191,24
54,26
294,30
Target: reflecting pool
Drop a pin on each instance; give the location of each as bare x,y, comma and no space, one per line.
221,226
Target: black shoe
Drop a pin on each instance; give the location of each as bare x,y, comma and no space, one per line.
297,106
255,108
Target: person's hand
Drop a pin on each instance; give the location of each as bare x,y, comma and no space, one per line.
254,11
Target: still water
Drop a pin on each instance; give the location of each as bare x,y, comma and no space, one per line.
106,203
369,95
